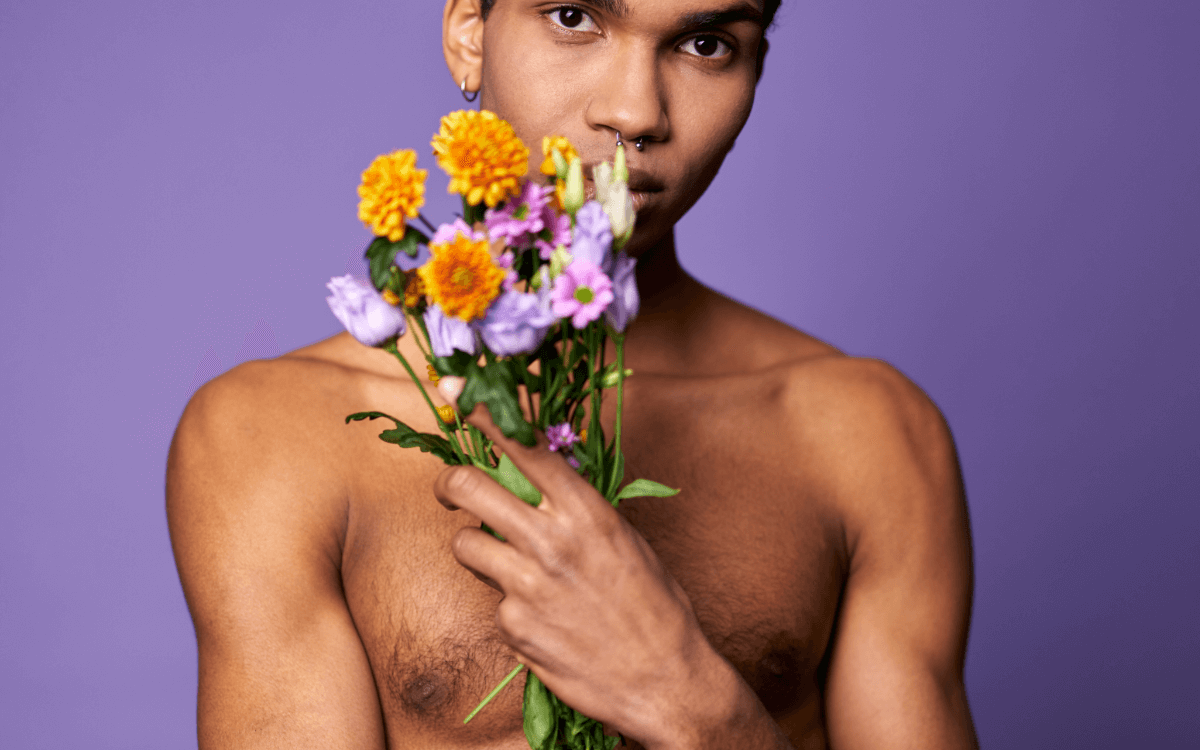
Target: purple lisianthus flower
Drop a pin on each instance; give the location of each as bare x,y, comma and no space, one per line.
593,235
405,263
561,436
624,307
516,323
446,232
521,217
560,232
365,313
447,334
581,291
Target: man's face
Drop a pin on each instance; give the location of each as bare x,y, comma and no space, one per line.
678,73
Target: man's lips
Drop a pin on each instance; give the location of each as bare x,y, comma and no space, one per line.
643,186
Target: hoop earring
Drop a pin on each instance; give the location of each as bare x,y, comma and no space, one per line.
463,88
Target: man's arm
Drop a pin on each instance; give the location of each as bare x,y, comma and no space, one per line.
281,663
895,674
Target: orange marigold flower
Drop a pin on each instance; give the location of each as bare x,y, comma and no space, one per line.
446,413
392,191
461,277
560,142
483,156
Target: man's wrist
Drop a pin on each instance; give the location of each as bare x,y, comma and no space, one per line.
713,706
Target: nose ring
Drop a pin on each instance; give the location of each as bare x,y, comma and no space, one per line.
638,143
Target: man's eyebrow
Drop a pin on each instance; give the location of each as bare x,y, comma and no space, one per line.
709,18
615,8
699,19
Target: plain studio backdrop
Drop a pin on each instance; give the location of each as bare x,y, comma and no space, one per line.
1002,199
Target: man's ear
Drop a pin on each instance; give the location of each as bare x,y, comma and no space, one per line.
763,46
462,42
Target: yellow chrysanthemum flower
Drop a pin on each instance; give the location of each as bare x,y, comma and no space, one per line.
446,413
392,191
461,277
560,142
413,289
483,156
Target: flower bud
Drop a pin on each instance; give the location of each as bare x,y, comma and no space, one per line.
620,171
559,260
573,196
602,176
618,205
611,377
560,164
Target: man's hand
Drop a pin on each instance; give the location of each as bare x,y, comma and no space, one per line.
588,606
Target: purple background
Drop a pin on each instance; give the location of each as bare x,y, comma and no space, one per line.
1002,199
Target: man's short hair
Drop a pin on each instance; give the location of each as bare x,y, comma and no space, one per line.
769,8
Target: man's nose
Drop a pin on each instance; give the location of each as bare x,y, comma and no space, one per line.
629,97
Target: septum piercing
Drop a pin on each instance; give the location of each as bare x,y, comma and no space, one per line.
638,143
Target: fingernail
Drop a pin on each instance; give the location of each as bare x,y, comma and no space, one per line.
451,387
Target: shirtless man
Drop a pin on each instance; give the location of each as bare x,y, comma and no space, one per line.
809,587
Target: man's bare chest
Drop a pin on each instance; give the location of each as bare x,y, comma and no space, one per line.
760,563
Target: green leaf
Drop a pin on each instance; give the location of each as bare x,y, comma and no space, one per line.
508,476
541,724
645,488
406,437
511,479
381,253
494,386
456,364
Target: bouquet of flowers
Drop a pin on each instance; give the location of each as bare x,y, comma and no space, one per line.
519,296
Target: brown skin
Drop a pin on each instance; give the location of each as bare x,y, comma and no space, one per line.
809,587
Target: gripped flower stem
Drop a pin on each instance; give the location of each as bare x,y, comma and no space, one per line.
495,691
394,351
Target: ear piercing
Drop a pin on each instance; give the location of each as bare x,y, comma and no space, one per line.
463,88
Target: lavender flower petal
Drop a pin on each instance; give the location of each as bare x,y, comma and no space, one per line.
447,334
365,314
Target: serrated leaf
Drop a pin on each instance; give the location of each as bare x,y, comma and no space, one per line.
406,437
645,488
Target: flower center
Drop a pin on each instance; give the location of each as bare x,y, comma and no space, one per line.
584,294
462,277
522,211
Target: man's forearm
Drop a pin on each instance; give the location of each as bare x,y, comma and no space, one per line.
716,709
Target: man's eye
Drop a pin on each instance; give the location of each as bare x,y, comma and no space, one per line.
706,46
573,19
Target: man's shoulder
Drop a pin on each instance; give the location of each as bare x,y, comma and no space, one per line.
875,441
272,426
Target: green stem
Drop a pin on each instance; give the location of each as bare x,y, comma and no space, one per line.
495,691
619,340
395,351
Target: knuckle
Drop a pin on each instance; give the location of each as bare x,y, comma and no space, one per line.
458,481
510,621
559,552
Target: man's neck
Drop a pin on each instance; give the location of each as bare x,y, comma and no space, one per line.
670,317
